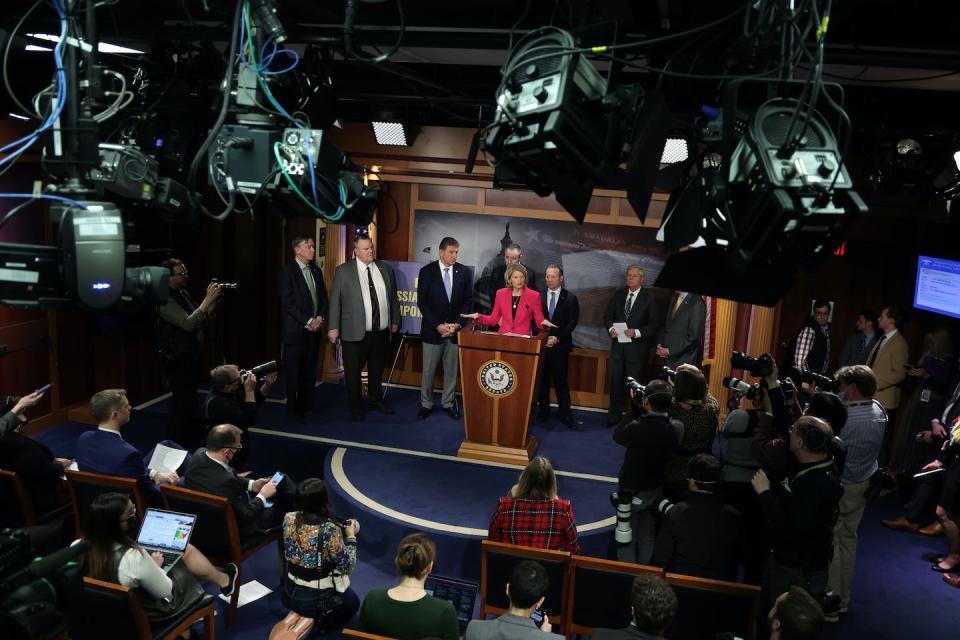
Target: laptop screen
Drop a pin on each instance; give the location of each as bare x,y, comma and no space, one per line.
460,593
166,529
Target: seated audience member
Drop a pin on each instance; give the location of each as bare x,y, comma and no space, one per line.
650,441
104,450
210,472
526,590
406,611
40,471
235,400
14,414
796,615
653,606
698,411
321,551
114,556
739,465
532,515
702,535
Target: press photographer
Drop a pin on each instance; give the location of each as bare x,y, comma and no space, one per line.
650,440
234,397
181,325
699,412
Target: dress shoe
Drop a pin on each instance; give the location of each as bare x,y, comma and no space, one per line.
424,412
612,420
940,569
936,529
356,415
900,524
543,416
382,407
570,422
452,411
952,580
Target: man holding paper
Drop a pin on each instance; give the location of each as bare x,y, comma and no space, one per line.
104,450
632,319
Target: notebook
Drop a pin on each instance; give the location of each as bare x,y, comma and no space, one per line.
167,533
460,593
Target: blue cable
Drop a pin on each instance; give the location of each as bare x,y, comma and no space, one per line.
267,60
45,196
313,176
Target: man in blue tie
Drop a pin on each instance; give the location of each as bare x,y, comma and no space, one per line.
444,292
560,306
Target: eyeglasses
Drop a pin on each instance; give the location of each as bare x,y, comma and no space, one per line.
236,446
182,274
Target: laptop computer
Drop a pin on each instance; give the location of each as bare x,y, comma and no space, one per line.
460,593
167,533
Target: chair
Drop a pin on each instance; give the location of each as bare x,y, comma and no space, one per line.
718,605
497,561
12,491
363,635
599,593
216,533
112,611
86,486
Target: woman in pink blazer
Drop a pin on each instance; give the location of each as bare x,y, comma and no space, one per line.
515,305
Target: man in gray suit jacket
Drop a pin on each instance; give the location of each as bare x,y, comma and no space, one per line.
526,590
364,311
681,334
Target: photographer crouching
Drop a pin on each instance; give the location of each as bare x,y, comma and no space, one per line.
234,397
180,330
650,440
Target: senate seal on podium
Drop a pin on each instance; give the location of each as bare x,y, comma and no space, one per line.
496,378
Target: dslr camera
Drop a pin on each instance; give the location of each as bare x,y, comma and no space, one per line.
745,389
824,383
759,367
667,374
260,370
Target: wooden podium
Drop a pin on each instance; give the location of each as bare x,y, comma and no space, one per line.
498,376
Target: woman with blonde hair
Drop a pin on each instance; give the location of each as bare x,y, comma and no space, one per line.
515,307
532,515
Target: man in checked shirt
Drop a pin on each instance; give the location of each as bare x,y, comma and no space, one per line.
811,348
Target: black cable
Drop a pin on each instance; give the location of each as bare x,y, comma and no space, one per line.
945,74
348,22
523,16
396,208
6,55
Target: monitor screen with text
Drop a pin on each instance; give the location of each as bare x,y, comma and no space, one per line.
938,286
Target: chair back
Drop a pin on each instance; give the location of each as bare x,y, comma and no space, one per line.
721,606
216,533
362,635
86,486
599,594
12,492
108,610
497,562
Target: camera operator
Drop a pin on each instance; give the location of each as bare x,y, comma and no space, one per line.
700,536
800,514
650,440
739,466
234,398
699,412
180,325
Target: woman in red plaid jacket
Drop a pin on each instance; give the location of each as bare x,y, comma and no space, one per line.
532,515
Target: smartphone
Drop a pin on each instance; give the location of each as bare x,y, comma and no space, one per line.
277,477
537,616
44,388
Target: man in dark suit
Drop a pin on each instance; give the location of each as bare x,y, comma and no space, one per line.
104,450
681,335
364,311
444,292
303,297
210,472
637,308
560,307
512,254
653,606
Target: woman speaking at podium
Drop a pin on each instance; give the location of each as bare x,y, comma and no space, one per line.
515,306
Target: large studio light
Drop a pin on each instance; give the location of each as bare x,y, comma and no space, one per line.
390,133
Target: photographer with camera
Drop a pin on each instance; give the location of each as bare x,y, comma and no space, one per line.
234,397
810,349
701,535
699,413
180,329
863,434
650,440
800,514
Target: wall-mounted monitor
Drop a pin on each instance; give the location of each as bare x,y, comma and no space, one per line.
938,286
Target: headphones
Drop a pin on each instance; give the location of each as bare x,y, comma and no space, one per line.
814,439
658,394
702,485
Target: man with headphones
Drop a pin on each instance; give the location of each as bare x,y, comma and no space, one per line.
702,535
650,441
800,513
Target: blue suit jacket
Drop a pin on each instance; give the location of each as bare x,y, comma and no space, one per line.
432,299
107,453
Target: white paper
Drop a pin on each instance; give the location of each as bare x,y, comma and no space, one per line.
166,459
621,329
249,592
